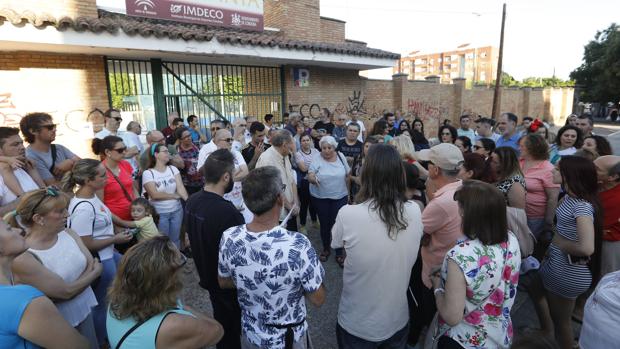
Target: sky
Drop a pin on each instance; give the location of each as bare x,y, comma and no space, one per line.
540,35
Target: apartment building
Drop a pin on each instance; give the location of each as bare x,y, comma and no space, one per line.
475,64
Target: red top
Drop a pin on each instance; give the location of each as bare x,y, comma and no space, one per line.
610,200
113,196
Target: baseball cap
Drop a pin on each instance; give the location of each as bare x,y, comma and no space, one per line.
446,156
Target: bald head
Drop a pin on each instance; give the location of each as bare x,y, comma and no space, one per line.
223,139
155,136
608,170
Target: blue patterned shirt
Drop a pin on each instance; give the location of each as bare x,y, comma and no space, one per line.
272,271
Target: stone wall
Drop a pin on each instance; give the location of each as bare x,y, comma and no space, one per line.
66,86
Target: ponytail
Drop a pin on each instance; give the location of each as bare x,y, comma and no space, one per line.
67,183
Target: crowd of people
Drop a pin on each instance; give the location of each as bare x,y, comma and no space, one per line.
433,232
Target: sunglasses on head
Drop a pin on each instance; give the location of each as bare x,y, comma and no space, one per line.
49,127
49,191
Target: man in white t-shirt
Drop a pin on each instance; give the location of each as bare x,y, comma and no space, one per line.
131,138
112,121
207,149
18,173
223,140
362,134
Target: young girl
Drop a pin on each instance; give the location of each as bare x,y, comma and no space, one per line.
144,219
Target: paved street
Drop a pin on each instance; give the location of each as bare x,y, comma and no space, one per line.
323,320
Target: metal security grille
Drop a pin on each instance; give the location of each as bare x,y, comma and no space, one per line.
209,91
221,91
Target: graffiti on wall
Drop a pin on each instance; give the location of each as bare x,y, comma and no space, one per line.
355,102
427,112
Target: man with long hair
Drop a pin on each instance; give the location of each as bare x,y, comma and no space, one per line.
381,236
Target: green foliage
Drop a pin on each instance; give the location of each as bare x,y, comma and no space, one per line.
509,81
120,87
599,73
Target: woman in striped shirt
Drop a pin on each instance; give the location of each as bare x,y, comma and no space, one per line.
573,260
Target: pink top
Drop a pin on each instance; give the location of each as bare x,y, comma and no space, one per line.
442,221
537,178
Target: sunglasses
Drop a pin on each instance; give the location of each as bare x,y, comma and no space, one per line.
229,140
243,125
117,118
49,191
215,128
476,147
49,127
120,150
186,137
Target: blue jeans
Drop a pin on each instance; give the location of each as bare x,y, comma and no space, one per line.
536,226
327,210
349,341
101,292
170,225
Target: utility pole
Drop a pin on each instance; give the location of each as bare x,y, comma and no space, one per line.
497,96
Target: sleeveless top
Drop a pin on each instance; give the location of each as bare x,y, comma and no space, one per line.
67,261
143,337
505,185
13,302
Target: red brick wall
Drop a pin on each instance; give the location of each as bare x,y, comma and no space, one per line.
332,31
56,8
66,86
297,19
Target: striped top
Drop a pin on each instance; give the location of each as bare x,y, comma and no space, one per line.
558,275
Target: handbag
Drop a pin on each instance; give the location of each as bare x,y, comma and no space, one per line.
517,223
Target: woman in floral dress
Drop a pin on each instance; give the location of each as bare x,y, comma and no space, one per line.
477,284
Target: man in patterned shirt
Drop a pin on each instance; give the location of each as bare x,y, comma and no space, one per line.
272,268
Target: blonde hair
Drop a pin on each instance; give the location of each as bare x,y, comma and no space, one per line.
404,145
147,282
82,171
37,202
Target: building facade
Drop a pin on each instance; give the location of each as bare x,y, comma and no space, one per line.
475,65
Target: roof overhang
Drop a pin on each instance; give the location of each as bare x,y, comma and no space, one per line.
29,38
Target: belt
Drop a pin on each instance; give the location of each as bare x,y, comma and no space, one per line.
289,335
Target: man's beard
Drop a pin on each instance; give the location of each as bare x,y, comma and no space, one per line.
230,186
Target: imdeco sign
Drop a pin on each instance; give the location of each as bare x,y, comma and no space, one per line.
242,14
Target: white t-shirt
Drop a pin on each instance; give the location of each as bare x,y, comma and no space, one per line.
165,182
104,133
133,140
24,180
235,196
373,304
82,213
204,153
360,136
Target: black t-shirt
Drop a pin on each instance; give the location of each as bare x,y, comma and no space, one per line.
208,215
248,152
327,126
350,150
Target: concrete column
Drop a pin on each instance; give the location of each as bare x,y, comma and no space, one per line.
399,81
459,89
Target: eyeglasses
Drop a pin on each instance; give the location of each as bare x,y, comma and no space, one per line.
120,150
49,127
243,125
49,191
213,129
446,134
229,140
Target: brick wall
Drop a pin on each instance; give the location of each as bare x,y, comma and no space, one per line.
332,30
297,19
56,8
66,86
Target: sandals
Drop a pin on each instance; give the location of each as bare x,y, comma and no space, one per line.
324,255
340,261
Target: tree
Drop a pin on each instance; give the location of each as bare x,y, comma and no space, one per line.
532,81
599,74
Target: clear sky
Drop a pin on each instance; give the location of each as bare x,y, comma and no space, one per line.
540,34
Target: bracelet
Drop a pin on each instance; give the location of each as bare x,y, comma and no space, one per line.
437,290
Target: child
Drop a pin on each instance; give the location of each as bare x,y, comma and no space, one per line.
144,219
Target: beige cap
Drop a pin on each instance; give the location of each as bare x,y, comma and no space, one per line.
446,156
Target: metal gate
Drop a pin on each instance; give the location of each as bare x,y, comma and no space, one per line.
209,91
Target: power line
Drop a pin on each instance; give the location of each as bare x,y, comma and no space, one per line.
400,10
